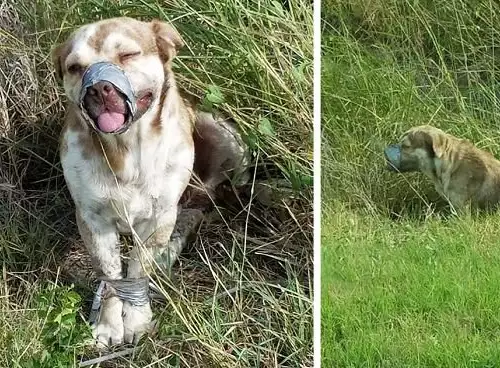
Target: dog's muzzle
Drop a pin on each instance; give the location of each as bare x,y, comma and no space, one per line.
393,156
104,71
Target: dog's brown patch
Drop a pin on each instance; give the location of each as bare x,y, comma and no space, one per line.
168,40
90,143
421,139
74,120
113,154
59,55
96,41
71,122
93,147
156,122
133,29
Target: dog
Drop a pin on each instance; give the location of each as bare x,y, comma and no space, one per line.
128,148
464,175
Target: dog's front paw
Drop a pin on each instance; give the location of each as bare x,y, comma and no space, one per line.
136,321
109,328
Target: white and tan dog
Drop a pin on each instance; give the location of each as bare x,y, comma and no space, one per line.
132,181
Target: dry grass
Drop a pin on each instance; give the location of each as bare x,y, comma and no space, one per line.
241,295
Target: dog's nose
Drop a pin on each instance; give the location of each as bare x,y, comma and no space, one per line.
101,89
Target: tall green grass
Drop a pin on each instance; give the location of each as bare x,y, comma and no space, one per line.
402,279
392,65
241,295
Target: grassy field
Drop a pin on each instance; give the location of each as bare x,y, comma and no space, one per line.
404,282
241,295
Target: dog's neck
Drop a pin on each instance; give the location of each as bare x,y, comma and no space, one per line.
433,169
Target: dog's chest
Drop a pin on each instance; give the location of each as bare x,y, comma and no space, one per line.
139,190
124,196
128,206
151,175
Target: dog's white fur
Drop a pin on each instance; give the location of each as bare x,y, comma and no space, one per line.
142,193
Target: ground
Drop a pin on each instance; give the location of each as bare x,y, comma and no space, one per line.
241,293
405,283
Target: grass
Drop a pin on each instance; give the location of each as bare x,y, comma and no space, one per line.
241,295
404,282
410,295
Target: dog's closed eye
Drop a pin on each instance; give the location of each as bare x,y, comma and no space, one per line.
75,68
128,55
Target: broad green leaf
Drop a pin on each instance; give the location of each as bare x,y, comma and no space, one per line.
214,95
265,127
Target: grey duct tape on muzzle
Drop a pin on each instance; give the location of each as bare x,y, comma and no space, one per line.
104,71
393,156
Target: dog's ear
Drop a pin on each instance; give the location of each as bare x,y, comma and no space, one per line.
438,143
57,59
168,40
432,142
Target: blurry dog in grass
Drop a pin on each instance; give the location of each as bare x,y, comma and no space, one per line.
463,174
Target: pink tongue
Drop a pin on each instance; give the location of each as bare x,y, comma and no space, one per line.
110,121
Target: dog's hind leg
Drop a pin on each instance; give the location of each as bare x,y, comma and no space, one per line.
220,155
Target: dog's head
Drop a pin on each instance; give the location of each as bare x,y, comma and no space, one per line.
417,149
115,70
